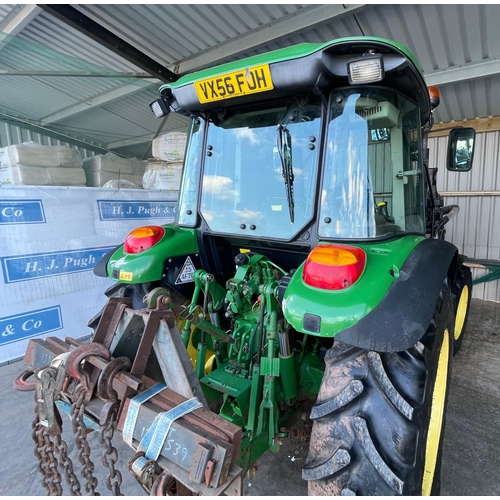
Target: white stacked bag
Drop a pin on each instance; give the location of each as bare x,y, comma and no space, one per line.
162,175
113,171
165,169
170,147
36,165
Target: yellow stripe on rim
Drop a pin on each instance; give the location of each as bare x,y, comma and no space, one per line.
461,312
437,414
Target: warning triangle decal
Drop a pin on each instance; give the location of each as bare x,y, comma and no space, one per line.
186,274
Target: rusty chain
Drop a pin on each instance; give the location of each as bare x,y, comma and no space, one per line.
52,451
47,460
80,431
67,465
53,463
109,455
108,418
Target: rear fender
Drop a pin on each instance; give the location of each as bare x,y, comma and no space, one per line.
100,269
147,266
404,314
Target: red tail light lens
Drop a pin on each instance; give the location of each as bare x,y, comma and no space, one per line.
334,267
142,238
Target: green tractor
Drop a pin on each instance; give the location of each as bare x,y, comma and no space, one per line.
304,289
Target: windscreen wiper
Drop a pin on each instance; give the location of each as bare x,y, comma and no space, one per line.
285,151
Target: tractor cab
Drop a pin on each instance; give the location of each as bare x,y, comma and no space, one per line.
328,148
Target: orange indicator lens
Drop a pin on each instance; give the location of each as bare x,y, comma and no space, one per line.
143,238
334,267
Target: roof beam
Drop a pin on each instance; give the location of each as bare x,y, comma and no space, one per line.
18,18
469,71
490,124
308,18
95,31
94,102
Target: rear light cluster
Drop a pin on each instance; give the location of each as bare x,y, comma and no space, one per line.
334,267
142,238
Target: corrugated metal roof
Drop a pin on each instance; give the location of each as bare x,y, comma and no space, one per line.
5,9
51,32
105,126
47,44
120,120
441,36
169,33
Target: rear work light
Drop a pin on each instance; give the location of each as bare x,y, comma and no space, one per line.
142,238
334,267
159,108
366,69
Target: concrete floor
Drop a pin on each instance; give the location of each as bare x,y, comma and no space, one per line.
471,455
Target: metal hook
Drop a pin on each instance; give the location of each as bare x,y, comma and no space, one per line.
21,383
73,364
105,383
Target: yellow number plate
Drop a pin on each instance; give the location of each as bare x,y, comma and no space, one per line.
125,276
235,84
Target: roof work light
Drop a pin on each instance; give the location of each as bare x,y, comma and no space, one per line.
159,108
366,69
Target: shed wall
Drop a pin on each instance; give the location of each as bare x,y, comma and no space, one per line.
476,229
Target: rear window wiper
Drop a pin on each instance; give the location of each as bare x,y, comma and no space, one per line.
284,143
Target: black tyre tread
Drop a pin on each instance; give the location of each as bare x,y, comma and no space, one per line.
384,426
337,461
363,435
360,376
390,391
354,389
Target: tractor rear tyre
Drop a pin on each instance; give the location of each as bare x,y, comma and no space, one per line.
462,294
379,418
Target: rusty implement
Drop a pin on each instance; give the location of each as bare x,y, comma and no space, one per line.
196,452
196,458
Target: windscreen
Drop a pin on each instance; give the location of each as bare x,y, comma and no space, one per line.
260,170
372,179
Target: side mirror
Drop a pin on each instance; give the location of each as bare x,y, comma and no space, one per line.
460,149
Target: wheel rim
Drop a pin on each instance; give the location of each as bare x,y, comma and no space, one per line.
461,312
436,418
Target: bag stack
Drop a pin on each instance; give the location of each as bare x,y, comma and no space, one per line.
31,164
111,171
165,169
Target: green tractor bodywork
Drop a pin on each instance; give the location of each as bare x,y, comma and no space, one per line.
302,148
146,267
